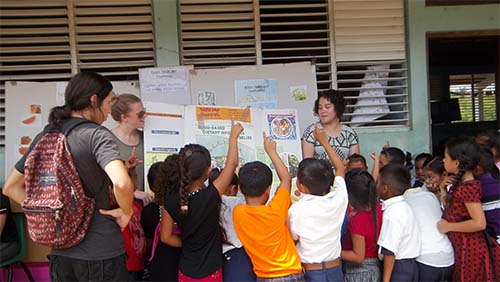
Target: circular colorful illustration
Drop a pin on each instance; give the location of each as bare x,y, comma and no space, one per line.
282,127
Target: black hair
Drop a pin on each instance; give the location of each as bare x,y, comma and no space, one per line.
487,163
255,178
316,175
215,172
466,151
435,164
362,192
334,97
77,96
153,173
488,139
357,158
194,160
423,156
165,179
395,155
396,177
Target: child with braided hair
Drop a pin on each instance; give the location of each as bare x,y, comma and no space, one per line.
195,207
464,218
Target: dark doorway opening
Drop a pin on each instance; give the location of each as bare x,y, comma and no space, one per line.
463,85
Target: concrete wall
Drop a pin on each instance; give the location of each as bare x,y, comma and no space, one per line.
421,20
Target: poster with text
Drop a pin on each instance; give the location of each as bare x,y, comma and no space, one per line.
165,84
163,132
256,93
211,127
169,127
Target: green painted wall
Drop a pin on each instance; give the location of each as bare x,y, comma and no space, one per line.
166,33
420,20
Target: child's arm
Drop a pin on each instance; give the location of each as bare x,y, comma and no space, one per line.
376,167
222,182
166,234
281,170
476,223
320,135
389,261
357,254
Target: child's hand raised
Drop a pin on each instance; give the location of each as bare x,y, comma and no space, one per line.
236,129
320,135
269,144
374,156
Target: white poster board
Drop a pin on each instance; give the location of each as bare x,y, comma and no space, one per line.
294,85
168,127
165,85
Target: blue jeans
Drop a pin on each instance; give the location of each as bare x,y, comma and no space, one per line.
70,269
333,274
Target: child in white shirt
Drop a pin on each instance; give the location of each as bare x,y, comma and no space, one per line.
399,240
315,221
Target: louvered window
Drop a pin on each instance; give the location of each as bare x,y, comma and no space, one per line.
358,46
50,40
476,96
114,38
294,31
371,63
217,32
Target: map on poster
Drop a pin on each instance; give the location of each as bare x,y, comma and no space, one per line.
169,127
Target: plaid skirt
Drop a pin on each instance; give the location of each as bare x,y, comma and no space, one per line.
368,271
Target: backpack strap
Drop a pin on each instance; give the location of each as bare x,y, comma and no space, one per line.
72,123
67,126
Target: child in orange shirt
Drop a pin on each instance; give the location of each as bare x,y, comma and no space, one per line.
262,228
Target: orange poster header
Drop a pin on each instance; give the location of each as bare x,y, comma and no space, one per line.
216,113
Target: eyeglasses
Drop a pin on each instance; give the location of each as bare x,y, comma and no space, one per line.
141,114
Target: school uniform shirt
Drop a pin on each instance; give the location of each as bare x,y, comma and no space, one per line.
226,211
399,232
265,237
316,222
436,249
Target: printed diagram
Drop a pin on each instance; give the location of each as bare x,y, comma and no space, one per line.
291,162
218,145
206,98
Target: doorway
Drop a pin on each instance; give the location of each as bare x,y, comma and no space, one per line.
463,85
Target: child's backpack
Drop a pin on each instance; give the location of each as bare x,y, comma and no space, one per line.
57,210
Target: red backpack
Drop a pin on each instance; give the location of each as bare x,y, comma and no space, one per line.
57,210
